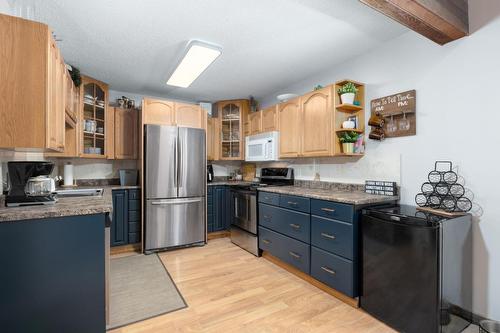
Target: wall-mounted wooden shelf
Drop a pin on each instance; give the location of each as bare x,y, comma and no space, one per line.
349,107
344,111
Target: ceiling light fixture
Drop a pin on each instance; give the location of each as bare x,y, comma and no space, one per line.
198,57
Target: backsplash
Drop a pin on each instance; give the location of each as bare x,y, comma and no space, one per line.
342,169
329,185
83,168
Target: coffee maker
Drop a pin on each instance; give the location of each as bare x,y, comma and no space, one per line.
22,173
210,173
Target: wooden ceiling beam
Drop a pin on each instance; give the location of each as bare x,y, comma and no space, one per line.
442,21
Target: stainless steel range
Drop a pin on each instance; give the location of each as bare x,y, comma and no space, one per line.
244,207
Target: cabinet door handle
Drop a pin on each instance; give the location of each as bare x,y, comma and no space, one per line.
291,203
265,241
328,235
293,254
328,270
295,226
328,210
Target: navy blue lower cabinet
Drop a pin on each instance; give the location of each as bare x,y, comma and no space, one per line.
334,271
119,223
291,251
318,237
219,208
288,222
53,277
333,236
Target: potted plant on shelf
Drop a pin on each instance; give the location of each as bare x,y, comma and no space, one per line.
348,139
347,93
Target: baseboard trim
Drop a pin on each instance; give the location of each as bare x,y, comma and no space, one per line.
129,248
218,234
354,302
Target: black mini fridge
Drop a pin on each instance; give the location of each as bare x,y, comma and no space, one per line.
416,269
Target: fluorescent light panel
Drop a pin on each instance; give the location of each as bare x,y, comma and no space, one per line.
198,57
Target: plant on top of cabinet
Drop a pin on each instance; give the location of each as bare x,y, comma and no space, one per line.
232,115
33,87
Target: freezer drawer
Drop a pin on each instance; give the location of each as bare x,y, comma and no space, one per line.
174,222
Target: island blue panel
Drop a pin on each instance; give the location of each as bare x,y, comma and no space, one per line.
52,275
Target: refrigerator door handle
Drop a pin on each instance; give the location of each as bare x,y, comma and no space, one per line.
179,161
175,164
174,201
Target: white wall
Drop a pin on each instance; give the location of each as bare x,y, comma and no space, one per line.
457,119
5,7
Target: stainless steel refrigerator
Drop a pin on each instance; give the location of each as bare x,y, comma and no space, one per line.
175,187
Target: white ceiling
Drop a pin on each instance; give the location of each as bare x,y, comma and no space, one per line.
267,44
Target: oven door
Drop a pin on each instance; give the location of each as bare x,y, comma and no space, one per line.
244,210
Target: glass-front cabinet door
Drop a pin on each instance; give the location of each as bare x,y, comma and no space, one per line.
231,115
93,120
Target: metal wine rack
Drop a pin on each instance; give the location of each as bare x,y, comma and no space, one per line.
442,191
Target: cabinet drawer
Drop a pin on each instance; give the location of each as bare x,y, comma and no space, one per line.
134,216
134,237
134,205
134,194
269,198
296,203
134,227
333,271
290,223
285,248
332,236
332,210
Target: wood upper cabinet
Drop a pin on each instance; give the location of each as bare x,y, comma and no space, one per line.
33,93
158,112
189,115
55,102
213,139
95,142
232,115
163,112
126,138
289,114
270,119
316,120
255,121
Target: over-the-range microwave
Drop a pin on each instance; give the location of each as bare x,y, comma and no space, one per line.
262,147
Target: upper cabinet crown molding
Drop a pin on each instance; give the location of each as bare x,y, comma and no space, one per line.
441,21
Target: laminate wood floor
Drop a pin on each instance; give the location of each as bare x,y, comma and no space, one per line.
229,290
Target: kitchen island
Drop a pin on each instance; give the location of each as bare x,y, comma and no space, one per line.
54,265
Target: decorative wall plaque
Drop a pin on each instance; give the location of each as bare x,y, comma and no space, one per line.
398,110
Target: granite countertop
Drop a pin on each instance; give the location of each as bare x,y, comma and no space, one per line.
229,182
69,206
350,197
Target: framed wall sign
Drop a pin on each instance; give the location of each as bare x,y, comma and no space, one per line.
399,113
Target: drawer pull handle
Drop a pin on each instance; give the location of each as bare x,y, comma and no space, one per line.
267,217
291,203
328,270
295,226
328,236
266,198
265,241
328,210
293,254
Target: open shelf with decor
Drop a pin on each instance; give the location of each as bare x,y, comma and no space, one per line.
349,118
94,98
